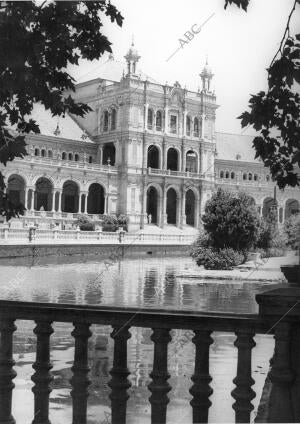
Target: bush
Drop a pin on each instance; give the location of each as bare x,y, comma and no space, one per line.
224,259
122,220
292,231
84,223
110,220
269,235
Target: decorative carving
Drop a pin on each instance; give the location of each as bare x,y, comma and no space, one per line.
159,387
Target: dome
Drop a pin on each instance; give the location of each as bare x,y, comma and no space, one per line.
132,53
206,70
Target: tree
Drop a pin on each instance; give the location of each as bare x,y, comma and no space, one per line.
38,42
276,113
231,221
292,230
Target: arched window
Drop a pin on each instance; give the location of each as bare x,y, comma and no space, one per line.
113,119
36,152
150,119
196,127
244,176
70,156
90,159
188,125
43,153
50,154
250,176
158,120
76,157
227,174
222,174
255,177
105,121
64,156
232,175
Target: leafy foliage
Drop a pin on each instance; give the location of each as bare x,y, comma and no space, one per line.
212,258
239,3
270,236
231,221
292,230
84,223
38,43
276,113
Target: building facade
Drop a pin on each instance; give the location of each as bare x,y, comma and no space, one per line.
147,150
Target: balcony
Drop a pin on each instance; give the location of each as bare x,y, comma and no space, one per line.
180,174
279,315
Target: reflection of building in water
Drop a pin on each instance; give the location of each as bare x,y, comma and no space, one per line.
146,150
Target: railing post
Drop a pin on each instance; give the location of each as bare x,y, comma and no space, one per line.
80,380
119,382
42,377
159,387
7,374
243,393
201,390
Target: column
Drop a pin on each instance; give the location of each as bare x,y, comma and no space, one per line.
166,118
26,197
178,211
53,200
164,154
183,158
86,202
79,202
202,125
146,116
59,201
202,170
32,199
184,124
183,200
164,208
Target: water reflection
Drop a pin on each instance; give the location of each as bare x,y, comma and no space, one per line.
148,282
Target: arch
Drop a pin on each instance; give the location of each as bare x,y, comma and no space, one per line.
70,196
158,120
153,203
96,199
244,176
172,159
113,119
291,208
153,157
43,194
36,152
64,156
109,154
171,206
227,174
255,177
268,203
16,189
90,159
50,154
190,207
105,120
221,174
188,125
252,200
43,153
232,175
150,119
191,161
196,127
250,176
76,157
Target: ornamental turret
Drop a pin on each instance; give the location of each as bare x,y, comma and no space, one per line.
132,57
206,77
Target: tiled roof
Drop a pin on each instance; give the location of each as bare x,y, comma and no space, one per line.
57,126
235,147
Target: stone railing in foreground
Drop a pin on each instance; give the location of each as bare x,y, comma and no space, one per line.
32,235
279,315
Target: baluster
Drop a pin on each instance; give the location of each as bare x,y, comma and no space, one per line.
42,377
80,380
201,390
119,372
7,374
281,376
159,387
243,393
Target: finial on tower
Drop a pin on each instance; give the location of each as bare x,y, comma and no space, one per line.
132,57
206,76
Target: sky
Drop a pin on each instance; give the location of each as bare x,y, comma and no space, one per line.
239,47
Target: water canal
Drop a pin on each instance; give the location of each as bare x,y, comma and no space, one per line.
145,282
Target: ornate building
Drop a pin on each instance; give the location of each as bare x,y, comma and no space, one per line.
147,150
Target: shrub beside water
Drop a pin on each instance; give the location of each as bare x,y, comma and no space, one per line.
211,258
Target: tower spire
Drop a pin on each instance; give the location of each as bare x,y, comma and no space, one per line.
206,77
132,57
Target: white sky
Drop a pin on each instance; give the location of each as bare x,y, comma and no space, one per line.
239,46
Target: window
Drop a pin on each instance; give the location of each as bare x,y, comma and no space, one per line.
70,156
255,177
227,174
158,120
64,156
250,176
268,177
173,124
76,157
43,153
113,119
90,159
150,119
188,125
36,152
105,121
50,154
232,175
244,176
196,127
222,174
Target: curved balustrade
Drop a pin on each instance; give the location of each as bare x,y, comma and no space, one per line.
121,319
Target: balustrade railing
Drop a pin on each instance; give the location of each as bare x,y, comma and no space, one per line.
121,319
